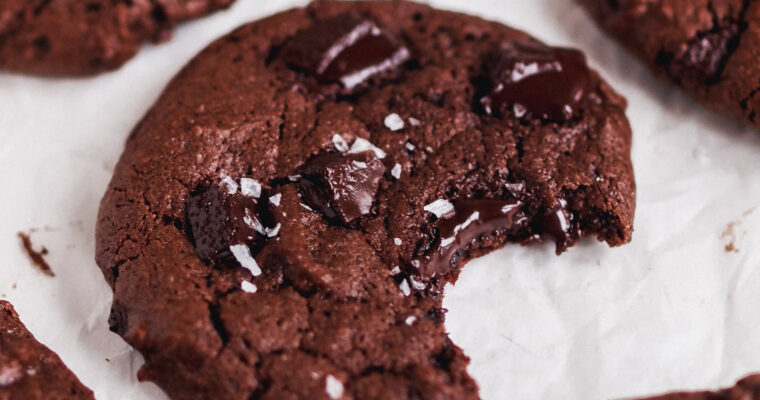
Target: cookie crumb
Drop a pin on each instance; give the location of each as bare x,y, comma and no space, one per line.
37,257
394,122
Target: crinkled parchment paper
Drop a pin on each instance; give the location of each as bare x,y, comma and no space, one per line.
676,308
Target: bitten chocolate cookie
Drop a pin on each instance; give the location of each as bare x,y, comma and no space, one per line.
710,48
28,369
283,220
73,37
746,389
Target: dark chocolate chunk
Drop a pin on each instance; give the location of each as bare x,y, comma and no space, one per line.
346,49
342,186
705,56
467,222
223,216
549,82
557,223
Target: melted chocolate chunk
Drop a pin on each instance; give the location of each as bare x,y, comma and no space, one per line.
222,216
549,82
704,58
342,186
468,221
346,49
557,223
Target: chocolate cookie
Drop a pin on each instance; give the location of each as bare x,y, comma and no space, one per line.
707,47
746,389
28,369
283,220
73,37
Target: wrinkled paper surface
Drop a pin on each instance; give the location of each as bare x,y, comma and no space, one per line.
676,308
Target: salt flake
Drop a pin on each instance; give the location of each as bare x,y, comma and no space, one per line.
250,187
275,200
242,254
410,320
340,143
333,387
248,287
362,145
232,186
439,207
394,122
397,241
404,287
396,171
272,232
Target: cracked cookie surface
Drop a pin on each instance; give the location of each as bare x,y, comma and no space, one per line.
283,220
28,369
73,37
707,47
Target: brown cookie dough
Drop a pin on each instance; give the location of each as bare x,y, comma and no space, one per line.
283,220
710,48
77,37
28,369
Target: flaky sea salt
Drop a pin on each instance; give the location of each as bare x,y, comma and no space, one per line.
272,232
361,145
360,164
232,186
396,171
439,207
242,254
254,223
417,285
397,241
248,287
414,121
394,122
410,146
404,287
250,187
333,387
395,271
410,320
340,143
275,200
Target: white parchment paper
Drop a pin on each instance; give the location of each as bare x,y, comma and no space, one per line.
676,308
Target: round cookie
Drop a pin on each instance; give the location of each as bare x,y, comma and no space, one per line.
73,37
283,220
707,47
